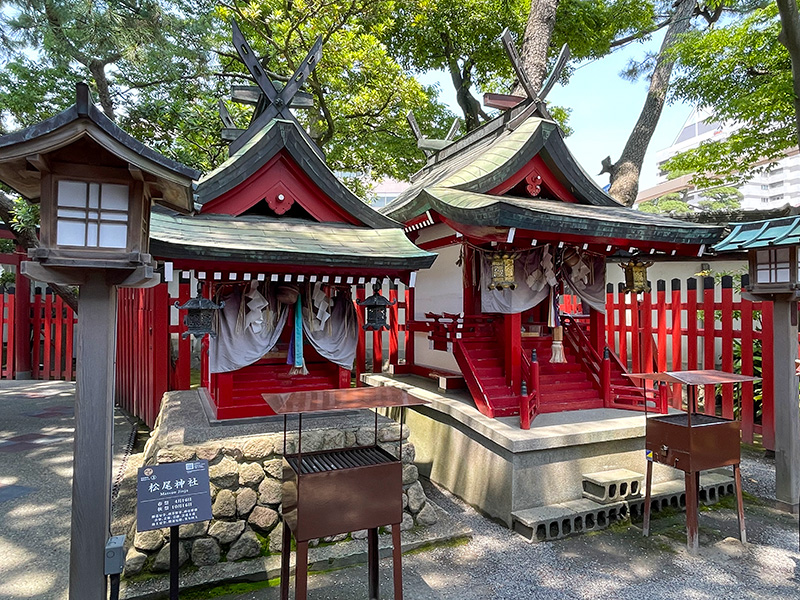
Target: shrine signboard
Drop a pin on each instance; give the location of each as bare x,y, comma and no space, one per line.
172,494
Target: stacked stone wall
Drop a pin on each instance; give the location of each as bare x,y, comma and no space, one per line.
245,475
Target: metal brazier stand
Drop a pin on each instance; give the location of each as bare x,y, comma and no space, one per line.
331,492
693,442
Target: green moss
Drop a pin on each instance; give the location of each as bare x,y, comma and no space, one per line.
454,543
228,589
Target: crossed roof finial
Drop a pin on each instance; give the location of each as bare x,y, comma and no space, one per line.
273,101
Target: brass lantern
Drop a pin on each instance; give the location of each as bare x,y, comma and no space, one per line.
502,264
376,309
636,275
199,318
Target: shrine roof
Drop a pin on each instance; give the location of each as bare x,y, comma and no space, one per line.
490,155
773,233
287,241
277,135
554,216
84,119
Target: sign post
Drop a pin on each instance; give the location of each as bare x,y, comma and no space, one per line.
171,495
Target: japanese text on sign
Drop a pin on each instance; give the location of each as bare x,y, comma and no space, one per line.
172,494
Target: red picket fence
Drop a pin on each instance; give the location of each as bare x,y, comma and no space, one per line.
7,330
54,326
670,331
143,359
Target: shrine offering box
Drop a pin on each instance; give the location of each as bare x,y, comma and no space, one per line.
702,443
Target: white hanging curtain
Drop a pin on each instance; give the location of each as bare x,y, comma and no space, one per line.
247,329
337,337
588,280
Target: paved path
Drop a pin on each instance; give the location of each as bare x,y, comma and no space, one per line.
36,426
36,429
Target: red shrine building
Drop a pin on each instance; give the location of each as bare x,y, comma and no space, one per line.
515,222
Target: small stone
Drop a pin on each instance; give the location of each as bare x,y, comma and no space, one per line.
333,439
405,501
235,453
226,531
332,539
416,497
427,516
361,534
276,540
391,433
224,505
162,562
134,562
291,444
175,454
250,474
349,439
225,473
409,453
193,530
148,541
263,518
410,474
270,491
313,440
407,523
258,448
274,468
245,501
205,552
209,453
247,546
365,436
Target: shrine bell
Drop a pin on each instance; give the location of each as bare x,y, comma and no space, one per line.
199,318
636,275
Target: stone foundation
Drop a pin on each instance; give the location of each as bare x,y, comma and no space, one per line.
245,469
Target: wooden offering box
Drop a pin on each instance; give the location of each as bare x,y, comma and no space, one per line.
338,491
692,442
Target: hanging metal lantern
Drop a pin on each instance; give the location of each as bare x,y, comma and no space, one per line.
376,309
199,318
636,275
503,271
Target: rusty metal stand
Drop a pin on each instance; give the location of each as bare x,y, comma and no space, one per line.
647,486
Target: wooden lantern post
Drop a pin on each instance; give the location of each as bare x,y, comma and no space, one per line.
95,185
774,275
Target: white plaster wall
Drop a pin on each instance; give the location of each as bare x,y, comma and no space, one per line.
438,289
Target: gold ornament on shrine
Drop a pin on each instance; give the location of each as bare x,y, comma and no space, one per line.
636,275
502,264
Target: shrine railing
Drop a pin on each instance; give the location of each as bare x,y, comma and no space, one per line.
446,328
530,395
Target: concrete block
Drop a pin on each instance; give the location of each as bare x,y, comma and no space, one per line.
613,485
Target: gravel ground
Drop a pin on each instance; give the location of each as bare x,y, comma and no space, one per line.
617,563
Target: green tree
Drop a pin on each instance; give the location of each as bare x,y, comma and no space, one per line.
674,203
743,72
721,198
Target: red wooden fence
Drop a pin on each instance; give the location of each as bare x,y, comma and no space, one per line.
7,330
709,328
53,324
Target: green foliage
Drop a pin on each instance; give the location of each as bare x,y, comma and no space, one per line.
26,215
7,246
721,199
7,278
667,204
743,72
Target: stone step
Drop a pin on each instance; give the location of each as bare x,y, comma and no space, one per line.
606,487
555,521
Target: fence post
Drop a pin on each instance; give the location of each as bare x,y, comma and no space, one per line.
677,336
661,312
611,330
606,375
394,327
727,343
691,324
709,398
622,306
22,322
646,322
361,345
747,414
768,381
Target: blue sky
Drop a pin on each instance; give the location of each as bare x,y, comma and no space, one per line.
605,108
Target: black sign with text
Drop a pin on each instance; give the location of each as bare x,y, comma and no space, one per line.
172,494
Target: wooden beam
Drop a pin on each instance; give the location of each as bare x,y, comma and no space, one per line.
501,101
39,162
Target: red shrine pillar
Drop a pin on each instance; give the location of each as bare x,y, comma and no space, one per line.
597,330
22,322
512,344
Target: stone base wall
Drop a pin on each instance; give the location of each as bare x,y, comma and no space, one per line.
245,474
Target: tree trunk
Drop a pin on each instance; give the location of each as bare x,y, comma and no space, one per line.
27,239
790,37
536,42
625,173
468,103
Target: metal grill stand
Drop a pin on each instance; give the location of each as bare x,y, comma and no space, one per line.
693,442
339,491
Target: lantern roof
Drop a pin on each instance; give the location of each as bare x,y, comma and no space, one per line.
170,182
283,241
772,233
